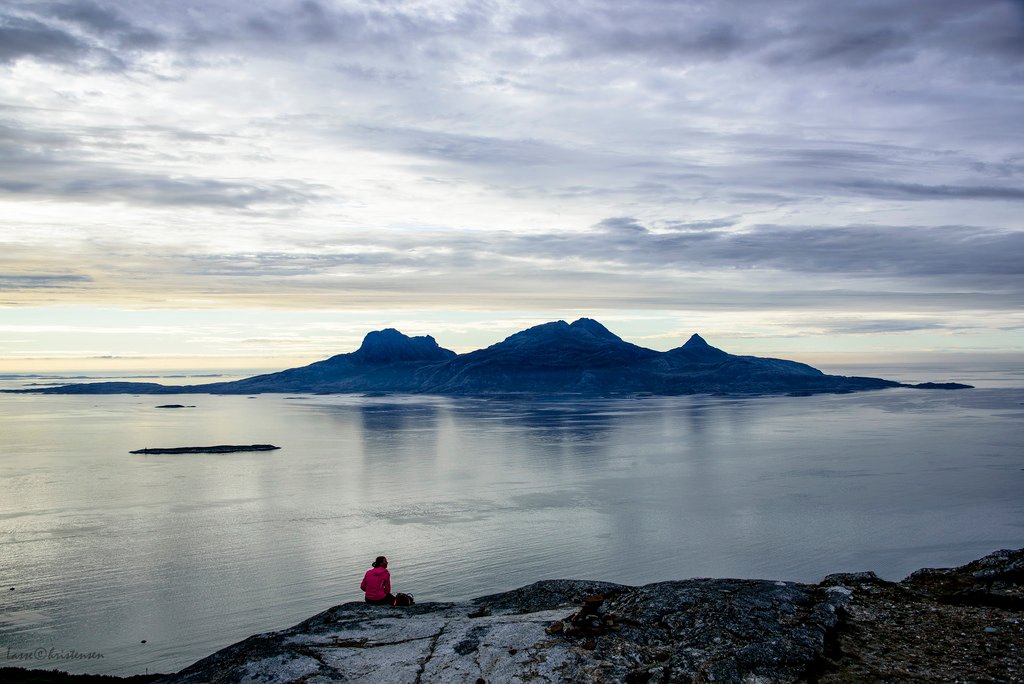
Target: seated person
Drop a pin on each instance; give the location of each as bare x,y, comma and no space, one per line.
377,583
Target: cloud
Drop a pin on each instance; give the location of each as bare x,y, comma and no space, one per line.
466,149
78,34
799,34
104,21
20,38
882,326
40,281
858,250
895,190
791,156
140,189
57,165
621,224
621,264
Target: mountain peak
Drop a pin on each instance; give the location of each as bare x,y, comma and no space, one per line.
594,328
696,342
698,350
390,345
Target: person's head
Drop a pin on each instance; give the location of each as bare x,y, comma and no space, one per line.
381,562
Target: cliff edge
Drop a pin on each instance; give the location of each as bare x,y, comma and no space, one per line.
960,624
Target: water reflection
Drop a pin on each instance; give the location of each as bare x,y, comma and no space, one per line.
470,496
394,433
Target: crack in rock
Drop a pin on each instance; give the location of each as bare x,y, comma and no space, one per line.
430,653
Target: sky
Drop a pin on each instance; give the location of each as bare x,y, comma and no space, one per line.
223,183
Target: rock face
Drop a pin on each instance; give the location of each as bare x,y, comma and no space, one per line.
715,630
579,358
939,625
851,627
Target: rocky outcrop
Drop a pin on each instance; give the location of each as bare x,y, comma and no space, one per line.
960,624
721,630
852,627
217,449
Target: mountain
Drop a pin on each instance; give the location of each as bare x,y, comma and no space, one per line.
578,358
387,361
558,357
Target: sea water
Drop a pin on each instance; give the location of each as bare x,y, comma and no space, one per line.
120,563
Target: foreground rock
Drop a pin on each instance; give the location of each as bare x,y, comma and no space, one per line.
951,625
720,629
948,625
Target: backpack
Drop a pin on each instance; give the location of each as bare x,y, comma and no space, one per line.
402,600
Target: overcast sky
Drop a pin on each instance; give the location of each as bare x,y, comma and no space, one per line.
274,179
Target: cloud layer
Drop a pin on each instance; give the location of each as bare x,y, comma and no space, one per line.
859,164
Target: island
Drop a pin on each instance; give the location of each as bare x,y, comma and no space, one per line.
218,449
582,358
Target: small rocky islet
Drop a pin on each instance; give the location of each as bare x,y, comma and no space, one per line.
216,449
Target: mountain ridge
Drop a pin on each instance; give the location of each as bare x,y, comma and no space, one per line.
579,358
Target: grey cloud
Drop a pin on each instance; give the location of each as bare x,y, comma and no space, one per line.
52,164
878,33
439,269
315,21
800,33
1007,168
464,148
865,47
664,31
164,191
21,38
300,265
862,327
78,34
893,190
622,224
40,281
106,22
89,15
976,255
827,157
856,49
133,188
706,225
717,41
382,29
960,256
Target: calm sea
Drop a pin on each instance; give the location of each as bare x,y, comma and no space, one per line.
105,550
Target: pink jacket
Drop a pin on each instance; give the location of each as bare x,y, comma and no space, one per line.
376,583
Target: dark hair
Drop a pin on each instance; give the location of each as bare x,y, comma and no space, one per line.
381,560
